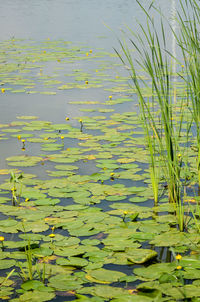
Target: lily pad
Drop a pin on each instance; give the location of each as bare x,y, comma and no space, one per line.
105,275
140,255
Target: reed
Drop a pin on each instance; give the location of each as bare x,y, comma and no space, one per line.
163,141
189,43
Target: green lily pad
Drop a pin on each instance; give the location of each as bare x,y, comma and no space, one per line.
72,261
154,271
32,284
32,296
140,255
5,264
105,275
23,160
46,201
65,282
104,291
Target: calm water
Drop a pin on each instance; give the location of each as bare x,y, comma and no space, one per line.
91,21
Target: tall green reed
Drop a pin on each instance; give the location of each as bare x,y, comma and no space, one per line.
189,43
162,138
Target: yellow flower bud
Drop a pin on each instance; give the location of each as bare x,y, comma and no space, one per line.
52,235
2,90
2,238
179,267
178,257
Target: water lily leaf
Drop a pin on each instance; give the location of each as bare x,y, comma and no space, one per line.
93,280
32,296
5,282
23,160
11,130
104,291
52,147
65,282
32,193
153,227
27,117
67,242
9,226
90,242
174,239
105,275
154,271
42,252
46,201
48,92
115,198
5,292
5,264
32,284
34,226
140,255
22,135
134,298
72,261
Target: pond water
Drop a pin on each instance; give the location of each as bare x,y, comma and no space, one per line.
69,120
95,23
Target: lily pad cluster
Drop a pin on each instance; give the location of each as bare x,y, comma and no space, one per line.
31,67
84,224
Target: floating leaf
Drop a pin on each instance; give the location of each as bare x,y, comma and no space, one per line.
105,275
140,255
72,261
5,264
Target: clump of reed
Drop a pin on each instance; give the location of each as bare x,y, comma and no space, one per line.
157,111
163,114
188,41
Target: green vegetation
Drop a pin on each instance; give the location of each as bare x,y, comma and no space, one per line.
103,205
